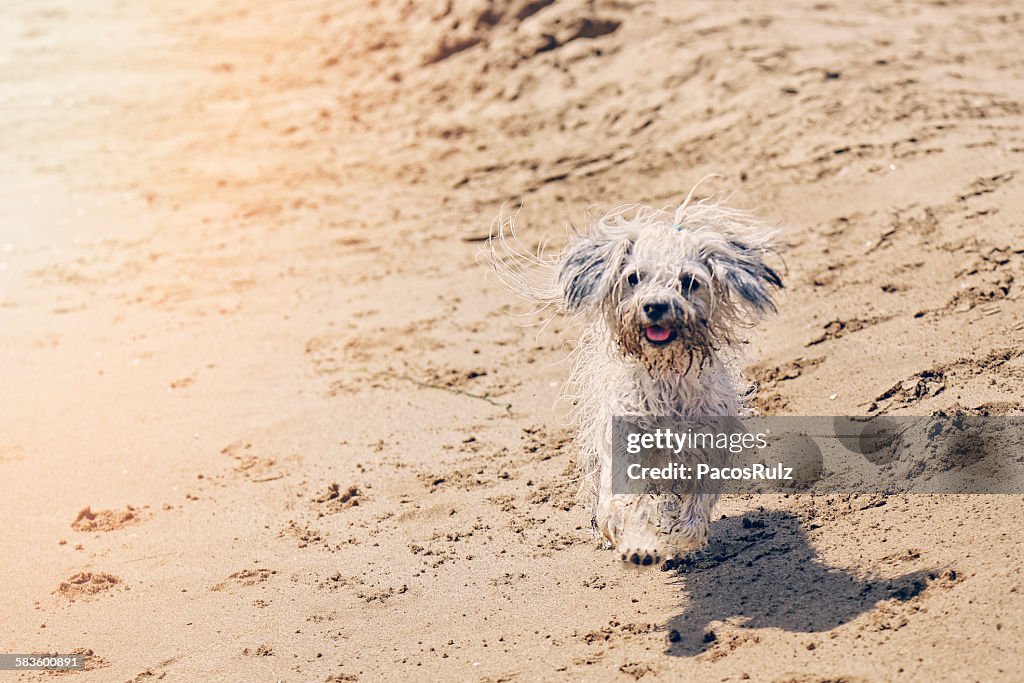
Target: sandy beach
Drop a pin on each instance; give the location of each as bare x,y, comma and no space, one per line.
268,417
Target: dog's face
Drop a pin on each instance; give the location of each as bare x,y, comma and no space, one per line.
670,296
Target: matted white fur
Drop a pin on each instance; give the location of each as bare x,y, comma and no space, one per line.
663,296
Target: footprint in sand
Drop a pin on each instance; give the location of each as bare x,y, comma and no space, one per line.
253,467
92,661
336,498
84,585
264,650
106,520
245,577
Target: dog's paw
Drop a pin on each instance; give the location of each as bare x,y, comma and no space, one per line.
641,546
641,556
626,524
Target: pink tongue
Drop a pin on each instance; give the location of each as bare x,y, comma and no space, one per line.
658,334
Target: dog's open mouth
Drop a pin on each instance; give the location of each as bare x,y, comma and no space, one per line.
658,335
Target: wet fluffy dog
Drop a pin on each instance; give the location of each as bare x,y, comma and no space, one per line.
664,296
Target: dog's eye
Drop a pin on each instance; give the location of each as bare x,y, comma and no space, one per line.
633,279
690,283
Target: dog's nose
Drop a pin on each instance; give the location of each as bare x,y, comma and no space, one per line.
655,311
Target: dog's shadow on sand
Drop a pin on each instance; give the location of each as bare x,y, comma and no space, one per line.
760,571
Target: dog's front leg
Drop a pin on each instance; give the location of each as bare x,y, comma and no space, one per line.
629,522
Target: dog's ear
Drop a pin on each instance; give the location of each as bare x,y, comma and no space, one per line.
592,266
745,278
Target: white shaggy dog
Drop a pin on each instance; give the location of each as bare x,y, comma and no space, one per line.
663,296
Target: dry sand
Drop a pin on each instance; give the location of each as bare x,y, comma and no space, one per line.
264,417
